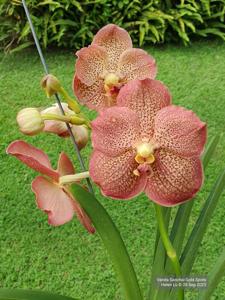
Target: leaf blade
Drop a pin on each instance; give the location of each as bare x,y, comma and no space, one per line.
112,241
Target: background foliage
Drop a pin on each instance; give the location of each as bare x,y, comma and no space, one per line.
72,23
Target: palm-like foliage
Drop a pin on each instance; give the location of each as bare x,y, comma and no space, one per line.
72,24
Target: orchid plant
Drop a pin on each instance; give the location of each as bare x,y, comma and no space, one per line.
141,143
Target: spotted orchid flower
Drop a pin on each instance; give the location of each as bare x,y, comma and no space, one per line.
106,65
147,145
51,197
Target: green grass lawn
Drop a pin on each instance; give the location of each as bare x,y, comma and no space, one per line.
67,259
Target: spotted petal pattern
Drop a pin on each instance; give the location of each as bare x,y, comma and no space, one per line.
115,130
91,64
136,63
115,41
115,175
92,96
174,179
146,98
180,130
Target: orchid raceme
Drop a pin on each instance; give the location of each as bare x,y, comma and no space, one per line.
108,64
52,197
147,144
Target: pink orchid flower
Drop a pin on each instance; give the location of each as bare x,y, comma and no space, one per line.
106,65
51,197
147,145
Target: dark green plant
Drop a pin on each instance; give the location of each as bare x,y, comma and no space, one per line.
72,24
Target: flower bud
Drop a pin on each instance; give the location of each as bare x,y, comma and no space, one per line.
50,84
58,127
53,126
81,135
30,121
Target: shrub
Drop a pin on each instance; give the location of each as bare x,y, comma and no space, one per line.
72,23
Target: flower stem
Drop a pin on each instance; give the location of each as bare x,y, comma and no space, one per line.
55,117
75,120
70,101
171,252
66,179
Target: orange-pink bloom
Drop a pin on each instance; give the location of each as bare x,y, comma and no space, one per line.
147,144
51,197
106,65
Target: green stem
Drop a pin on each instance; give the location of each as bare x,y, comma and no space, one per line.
171,253
112,241
56,117
75,120
70,101
68,179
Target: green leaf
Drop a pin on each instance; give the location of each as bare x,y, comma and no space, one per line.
159,256
214,277
112,241
21,47
190,252
25,31
214,31
9,294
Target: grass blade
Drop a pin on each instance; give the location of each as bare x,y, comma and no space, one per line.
112,241
214,277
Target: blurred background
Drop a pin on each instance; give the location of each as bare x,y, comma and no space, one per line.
71,24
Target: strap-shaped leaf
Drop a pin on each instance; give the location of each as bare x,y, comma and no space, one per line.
112,241
194,241
214,277
158,266
9,294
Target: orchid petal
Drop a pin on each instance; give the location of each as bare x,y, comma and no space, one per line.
115,40
52,199
33,157
56,127
92,96
91,64
115,175
146,98
136,64
115,130
174,179
180,131
65,166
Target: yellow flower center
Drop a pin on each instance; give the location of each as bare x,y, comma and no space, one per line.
144,155
111,79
